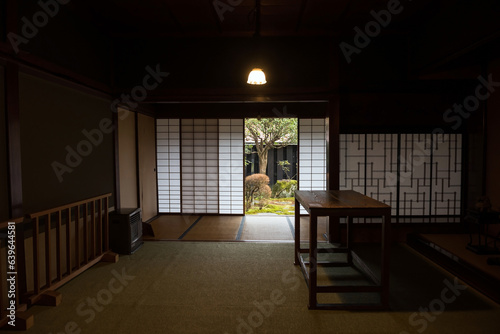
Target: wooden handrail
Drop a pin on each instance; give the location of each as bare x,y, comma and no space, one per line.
67,206
4,225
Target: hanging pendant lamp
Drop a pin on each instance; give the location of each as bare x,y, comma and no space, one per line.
257,75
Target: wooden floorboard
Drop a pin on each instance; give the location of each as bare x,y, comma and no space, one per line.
171,227
231,228
215,228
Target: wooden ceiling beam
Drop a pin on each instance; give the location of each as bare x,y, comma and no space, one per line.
284,33
34,65
256,94
181,20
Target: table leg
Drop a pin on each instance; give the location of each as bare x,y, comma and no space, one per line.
486,231
333,229
313,260
349,239
386,257
297,232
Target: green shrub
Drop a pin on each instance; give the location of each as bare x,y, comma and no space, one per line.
284,188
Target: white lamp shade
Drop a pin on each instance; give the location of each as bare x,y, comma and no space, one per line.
256,77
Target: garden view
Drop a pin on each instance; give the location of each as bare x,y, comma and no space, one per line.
263,136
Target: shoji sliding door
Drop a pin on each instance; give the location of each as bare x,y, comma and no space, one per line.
447,174
418,175
200,166
168,160
312,155
231,136
369,165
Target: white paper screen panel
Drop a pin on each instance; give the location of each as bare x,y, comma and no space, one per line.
368,164
447,174
415,175
426,167
168,165
231,149
312,155
199,166
352,162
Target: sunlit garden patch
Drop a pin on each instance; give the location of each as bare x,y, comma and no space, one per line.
278,206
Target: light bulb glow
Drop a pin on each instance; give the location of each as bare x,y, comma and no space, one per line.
256,77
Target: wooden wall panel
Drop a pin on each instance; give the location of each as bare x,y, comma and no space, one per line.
65,132
127,160
4,178
146,131
493,141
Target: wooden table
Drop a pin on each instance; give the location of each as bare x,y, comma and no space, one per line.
341,203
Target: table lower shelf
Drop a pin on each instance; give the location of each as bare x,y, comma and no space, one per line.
341,269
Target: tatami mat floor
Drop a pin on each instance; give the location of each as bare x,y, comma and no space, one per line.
231,228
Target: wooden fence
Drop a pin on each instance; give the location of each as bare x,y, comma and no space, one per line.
12,268
53,247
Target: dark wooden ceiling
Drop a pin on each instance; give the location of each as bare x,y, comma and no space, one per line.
196,18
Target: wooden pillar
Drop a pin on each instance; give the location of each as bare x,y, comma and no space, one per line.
332,162
333,144
14,140
12,19
116,150
333,135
